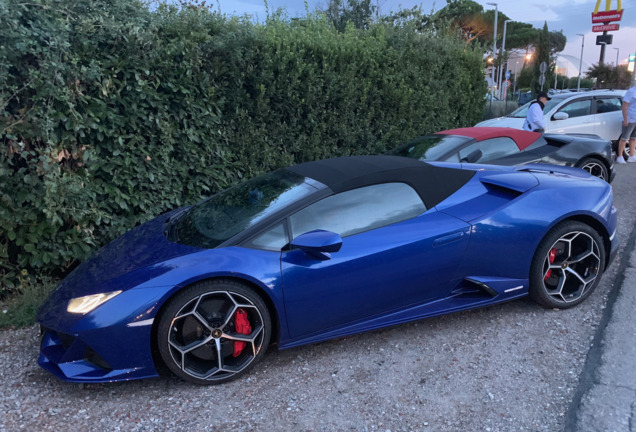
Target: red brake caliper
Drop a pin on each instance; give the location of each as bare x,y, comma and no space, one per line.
242,326
551,257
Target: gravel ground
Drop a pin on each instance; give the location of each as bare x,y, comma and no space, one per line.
469,371
511,367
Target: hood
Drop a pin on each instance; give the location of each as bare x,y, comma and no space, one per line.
130,255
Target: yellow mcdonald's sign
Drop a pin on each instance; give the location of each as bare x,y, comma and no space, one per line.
607,16
608,5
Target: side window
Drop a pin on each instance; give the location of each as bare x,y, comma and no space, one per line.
578,108
493,148
610,104
359,210
453,157
273,239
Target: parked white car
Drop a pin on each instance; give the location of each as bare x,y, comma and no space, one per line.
595,112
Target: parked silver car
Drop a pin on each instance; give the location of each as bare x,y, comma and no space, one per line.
595,112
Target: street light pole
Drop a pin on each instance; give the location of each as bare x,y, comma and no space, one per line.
494,52
617,51
503,53
578,86
617,74
514,87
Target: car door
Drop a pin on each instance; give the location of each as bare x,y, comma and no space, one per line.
608,117
580,119
394,254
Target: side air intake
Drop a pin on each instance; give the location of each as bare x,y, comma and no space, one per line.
474,288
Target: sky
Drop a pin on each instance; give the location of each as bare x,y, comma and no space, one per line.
573,17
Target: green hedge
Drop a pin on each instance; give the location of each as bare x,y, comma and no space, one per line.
111,113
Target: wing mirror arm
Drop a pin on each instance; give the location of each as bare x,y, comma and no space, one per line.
473,156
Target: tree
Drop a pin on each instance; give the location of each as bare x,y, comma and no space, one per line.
521,35
525,78
470,21
604,74
465,16
557,42
413,16
586,83
562,82
359,12
608,76
489,17
473,23
543,54
624,79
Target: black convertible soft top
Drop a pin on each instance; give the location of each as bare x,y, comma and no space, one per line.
432,183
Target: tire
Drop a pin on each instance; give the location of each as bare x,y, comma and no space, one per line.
567,266
202,334
594,167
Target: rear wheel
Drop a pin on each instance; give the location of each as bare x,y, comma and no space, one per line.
567,265
594,167
213,331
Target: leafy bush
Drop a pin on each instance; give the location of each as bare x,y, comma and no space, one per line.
109,118
111,113
20,310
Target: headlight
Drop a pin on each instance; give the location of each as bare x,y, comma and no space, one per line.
83,305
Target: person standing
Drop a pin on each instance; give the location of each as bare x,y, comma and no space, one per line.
534,119
629,126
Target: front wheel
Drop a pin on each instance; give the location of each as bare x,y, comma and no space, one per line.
567,265
594,167
213,331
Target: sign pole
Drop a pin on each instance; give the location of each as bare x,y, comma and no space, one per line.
601,59
578,85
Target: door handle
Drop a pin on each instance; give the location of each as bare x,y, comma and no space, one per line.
448,238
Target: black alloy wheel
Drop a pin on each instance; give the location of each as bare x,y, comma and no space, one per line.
213,331
567,265
594,167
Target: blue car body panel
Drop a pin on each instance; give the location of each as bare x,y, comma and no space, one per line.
455,256
396,259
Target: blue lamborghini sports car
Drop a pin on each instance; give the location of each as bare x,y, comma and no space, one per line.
321,250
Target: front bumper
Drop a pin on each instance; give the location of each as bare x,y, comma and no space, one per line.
111,343
91,357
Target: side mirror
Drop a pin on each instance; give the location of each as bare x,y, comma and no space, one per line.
561,116
318,244
473,156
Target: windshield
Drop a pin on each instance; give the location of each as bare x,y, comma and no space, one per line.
222,216
522,112
430,147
